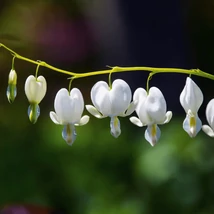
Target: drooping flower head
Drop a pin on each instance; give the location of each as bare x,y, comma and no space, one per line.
151,110
35,90
209,130
11,89
111,102
68,112
191,99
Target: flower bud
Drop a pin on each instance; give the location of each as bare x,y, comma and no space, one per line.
11,89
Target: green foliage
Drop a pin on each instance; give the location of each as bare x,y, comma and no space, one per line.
100,174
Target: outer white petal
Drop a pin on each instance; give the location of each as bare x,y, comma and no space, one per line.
84,120
69,108
77,104
191,97
208,130
143,114
100,98
155,105
152,134
139,96
92,110
136,121
168,117
120,97
35,89
54,117
129,111
210,113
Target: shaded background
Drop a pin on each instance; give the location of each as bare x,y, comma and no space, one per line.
100,174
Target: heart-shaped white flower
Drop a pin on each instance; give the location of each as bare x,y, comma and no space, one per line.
111,102
35,89
68,112
151,110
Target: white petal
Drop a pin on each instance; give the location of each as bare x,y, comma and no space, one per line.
208,130
143,114
136,121
129,111
139,96
78,104
35,89
84,120
54,117
155,105
191,97
210,113
168,117
192,125
120,97
92,110
115,127
100,97
152,134
69,108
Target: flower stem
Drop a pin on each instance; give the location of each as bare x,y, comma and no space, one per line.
115,69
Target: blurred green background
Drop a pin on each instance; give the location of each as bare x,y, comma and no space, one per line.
100,174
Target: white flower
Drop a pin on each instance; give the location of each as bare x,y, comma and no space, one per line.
151,110
11,89
69,108
209,130
35,90
191,99
111,102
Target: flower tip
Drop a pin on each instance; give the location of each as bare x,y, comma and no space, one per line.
115,134
192,132
11,93
33,113
115,127
192,125
153,143
69,134
152,134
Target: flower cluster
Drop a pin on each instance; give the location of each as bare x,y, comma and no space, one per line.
115,101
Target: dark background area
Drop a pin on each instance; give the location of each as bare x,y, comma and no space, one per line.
100,174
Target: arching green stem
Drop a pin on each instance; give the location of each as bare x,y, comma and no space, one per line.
114,69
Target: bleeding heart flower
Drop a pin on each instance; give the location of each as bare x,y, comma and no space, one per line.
151,110
35,90
68,112
111,102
